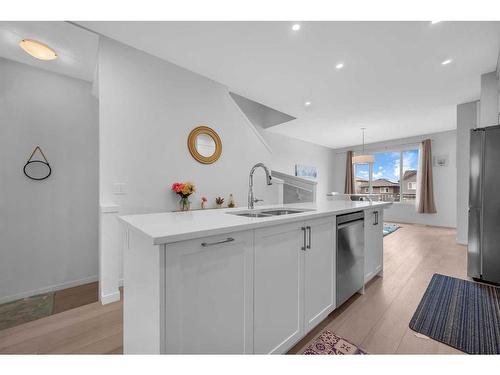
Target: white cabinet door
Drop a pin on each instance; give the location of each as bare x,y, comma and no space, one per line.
379,243
278,288
209,295
319,271
373,243
369,256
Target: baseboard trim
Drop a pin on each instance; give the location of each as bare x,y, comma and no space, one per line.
109,298
50,288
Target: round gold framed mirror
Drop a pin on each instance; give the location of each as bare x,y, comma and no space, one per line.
204,145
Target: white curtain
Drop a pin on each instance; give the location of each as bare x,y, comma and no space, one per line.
419,174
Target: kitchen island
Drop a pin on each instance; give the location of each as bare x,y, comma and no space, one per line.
222,281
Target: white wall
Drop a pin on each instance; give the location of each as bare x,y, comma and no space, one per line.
488,104
147,109
467,119
445,188
289,151
48,229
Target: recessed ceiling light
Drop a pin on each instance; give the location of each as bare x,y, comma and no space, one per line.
296,27
446,62
339,66
38,49
307,104
434,22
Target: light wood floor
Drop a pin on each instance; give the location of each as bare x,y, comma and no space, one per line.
77,296
25,310
89,329
377,321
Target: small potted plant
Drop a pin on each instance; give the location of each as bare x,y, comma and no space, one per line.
203,202
219,201
184,190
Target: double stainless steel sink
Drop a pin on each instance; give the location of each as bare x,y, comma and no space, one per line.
269,212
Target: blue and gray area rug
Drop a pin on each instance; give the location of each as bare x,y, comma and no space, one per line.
462,314
390,228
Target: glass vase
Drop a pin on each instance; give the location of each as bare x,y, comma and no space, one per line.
184,204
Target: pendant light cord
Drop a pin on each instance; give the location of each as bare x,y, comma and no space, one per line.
363,130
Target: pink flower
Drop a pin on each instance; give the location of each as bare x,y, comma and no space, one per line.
177,187
204,199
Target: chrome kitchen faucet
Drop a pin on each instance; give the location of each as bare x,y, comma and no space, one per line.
251,198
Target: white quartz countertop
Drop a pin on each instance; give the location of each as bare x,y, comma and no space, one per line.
168,227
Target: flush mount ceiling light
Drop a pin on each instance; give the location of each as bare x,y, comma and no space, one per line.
446,62
339,66
434,22
307,104
296,27
363,158
38,49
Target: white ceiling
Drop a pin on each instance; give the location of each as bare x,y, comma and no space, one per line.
76,48
393,82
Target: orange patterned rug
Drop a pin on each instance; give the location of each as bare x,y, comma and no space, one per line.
331,344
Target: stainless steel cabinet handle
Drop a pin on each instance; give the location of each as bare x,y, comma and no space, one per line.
304,243
376,218
310,235
207,244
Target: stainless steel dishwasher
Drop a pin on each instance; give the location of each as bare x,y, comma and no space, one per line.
350,255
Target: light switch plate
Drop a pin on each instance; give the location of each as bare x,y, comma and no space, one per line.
119,188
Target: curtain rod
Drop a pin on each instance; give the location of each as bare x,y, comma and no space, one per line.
358,148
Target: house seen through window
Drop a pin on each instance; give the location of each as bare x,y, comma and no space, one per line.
393,176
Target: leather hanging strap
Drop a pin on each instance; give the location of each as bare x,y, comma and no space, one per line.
41,152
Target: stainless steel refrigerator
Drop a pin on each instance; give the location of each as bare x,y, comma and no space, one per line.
483,251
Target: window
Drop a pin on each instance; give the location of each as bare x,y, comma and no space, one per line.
362,175
409,175
393,175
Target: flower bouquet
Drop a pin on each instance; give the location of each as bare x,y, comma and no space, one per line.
184,189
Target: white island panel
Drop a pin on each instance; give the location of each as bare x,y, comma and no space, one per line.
211,282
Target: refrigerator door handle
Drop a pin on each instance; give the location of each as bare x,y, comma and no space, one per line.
474,253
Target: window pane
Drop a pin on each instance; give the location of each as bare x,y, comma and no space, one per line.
361,178
410,167
386,175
